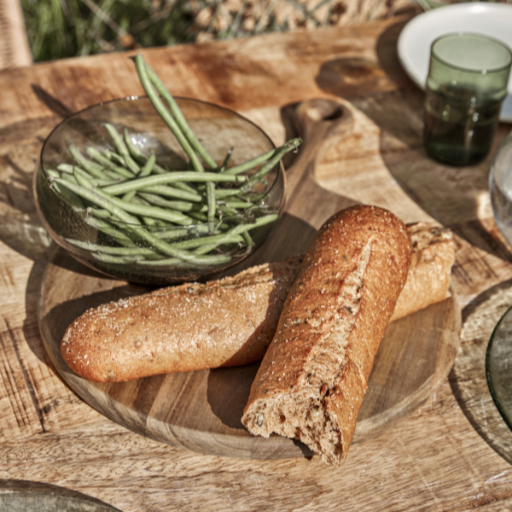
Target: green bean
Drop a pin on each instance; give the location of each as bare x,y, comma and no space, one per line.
165,115
185,187
153,212
133,149
260,221
252,163
175,193
81,178
135,226
237,199
67,168
182,206
138,209
167,262
158,260
129,195
216,260
167,232
120,251
225,193
162,179
227,158
114,157
148,166
70,196
111,231
210,241
198,216
177,114
213,239
145,171
248,240
94,181
68,177
122,149
91,167
114,176
236,204
219,258
107,258
272,162
210,199
98,212
273,156
205,249
171,234
103,160
149,221
229,211
157,169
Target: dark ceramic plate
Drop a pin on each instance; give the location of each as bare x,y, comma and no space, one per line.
23,496
499,366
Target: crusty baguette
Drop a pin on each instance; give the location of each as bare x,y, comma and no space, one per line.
428,281
223,323
312,380
178,329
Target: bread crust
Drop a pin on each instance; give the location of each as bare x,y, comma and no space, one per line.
223,323
178,329
428,281
314,375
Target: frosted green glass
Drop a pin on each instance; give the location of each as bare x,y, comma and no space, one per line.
466,85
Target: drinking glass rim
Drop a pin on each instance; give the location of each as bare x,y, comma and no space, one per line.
479,36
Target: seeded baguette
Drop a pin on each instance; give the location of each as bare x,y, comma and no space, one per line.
229,322
312,380
179,329
428,280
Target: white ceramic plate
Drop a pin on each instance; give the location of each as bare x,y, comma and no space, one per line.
494,20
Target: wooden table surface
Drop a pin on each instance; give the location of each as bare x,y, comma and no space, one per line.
450,455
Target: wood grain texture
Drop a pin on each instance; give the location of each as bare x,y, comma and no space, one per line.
435,459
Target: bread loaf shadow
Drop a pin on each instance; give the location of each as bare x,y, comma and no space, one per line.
227,402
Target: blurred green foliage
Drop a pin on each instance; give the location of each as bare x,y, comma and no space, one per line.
67,28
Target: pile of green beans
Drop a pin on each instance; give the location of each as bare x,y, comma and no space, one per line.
154,216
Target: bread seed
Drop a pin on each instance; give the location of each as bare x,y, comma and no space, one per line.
314,413
259,419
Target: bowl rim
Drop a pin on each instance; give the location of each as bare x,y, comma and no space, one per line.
280,167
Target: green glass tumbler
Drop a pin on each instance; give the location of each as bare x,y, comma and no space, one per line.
466,85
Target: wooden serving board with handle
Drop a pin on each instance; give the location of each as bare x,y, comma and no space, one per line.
201,411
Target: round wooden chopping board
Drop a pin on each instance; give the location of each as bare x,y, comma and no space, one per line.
201,411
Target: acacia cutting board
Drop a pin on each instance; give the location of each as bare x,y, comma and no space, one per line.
201,411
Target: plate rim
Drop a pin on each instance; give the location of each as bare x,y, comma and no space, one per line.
491,383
